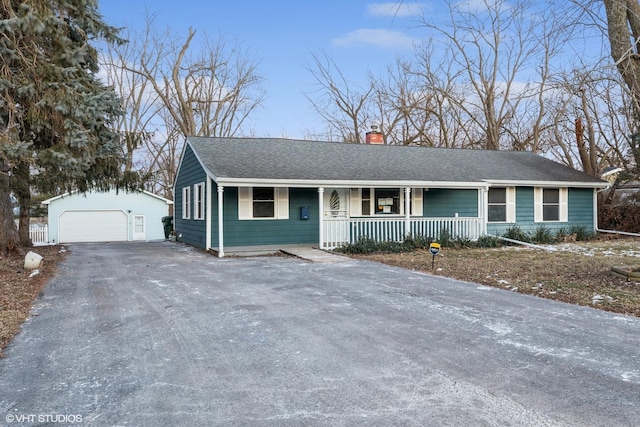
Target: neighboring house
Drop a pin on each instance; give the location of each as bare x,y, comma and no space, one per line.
106,216
239,192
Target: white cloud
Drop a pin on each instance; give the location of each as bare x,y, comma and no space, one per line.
478,6
397,9
374,37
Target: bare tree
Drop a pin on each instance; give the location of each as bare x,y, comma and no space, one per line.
139,102
623,28
173,88
492,46
343,105
209,92
403,106
161,155
590,119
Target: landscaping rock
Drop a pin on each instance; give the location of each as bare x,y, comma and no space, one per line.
627,273
32,261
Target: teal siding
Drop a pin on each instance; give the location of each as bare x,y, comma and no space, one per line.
191,172
581,208
580,212
269,231
445,203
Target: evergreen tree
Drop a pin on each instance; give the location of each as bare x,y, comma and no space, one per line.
55,114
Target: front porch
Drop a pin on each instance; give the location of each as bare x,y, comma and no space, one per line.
340,231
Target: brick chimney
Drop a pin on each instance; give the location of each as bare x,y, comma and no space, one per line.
374,136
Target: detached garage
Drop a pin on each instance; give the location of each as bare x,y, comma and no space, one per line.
106,216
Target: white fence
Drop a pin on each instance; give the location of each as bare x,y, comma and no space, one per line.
338,232
39,234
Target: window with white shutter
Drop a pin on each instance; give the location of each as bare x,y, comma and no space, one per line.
551,204
263,203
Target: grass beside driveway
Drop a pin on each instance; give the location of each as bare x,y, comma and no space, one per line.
578,273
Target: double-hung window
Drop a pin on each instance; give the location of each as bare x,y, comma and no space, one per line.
501,204
263,203
186,203
551,204
198,201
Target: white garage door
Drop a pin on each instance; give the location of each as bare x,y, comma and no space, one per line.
93,226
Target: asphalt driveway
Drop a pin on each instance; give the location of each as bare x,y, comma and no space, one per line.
152,334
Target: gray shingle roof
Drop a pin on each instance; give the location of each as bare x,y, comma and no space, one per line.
286,159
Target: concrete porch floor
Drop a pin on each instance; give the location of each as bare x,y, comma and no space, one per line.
306,252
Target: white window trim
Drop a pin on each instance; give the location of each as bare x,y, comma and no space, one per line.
510,205
186,203
198,201
245,204
356,203
564,205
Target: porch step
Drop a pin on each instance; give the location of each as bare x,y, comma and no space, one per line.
306,252
315,255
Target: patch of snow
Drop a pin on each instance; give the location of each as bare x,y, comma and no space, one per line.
158,283
597,298
498,328
34,273
630,376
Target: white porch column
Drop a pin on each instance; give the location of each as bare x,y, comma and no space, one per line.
407,211
482,210
220,221
208,225
321,217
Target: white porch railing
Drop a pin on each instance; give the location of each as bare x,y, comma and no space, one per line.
338,232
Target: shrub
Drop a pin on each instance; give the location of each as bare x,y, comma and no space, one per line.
581,232
362,246
445,238
543,235
488,242
619,217
462,242
417,242
516,233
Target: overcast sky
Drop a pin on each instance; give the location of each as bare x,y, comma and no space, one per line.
360,36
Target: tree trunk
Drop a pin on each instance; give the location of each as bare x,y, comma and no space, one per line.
23,193
9,240
623,26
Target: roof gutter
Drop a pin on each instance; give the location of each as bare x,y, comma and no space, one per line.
548,184
304,183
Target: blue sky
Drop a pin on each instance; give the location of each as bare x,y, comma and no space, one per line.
360,36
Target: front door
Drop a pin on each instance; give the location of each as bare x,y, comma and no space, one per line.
139,232
336,215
